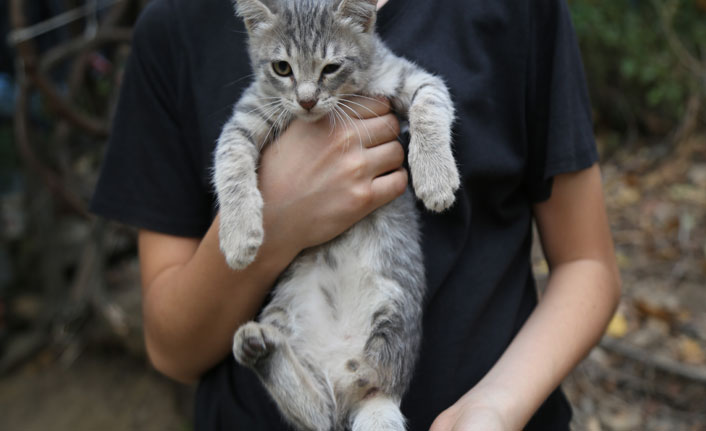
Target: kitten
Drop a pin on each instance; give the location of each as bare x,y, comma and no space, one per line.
336,346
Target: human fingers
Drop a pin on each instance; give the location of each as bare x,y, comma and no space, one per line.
386,188
382,129
370,132
362,107
384,158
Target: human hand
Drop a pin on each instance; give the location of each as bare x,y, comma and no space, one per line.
468,415
318,179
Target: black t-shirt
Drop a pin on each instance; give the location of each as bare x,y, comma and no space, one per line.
516,78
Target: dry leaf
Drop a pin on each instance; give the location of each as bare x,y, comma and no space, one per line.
541,267
684,316
626,196
687,193
618,326
658,311
690,351
625,420
593,424
697,172
623,260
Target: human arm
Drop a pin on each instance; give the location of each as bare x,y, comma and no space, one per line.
316,182
581,296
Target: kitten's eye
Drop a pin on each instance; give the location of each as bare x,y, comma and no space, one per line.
282,68
330,68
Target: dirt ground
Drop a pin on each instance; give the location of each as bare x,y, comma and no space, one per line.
98,391
649,373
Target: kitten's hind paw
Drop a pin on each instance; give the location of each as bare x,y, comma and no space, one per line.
253,342
378,413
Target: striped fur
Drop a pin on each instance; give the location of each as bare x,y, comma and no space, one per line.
337,344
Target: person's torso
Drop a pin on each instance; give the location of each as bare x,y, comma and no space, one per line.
480,287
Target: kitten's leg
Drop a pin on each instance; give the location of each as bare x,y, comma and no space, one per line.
391,350
239,200
393,345
434,173
302,392
235,177
378,413
428,103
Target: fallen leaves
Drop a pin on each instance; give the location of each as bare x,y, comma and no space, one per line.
665,308
618,326
650,371
623,420
690,351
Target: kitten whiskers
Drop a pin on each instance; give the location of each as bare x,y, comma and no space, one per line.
230,84
274,126
345,116
362,97
366,108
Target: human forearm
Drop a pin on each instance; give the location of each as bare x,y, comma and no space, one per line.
582,293
196,306
579,300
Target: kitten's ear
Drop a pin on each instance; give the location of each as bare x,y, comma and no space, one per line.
360,12
254,12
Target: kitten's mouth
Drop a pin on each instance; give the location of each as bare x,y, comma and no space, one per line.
311,116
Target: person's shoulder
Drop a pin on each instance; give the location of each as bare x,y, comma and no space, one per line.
488,14
162,19
507,7
184,10
155,27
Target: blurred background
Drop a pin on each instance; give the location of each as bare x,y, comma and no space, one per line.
71,349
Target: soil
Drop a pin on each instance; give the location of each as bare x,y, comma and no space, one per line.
98,391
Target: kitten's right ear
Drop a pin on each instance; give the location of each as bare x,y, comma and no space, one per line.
254,13
360,12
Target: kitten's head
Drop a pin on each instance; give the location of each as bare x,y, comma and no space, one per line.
309,53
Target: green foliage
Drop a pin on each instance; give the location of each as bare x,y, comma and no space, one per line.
633,72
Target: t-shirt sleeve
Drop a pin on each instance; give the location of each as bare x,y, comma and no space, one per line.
560,126
151,176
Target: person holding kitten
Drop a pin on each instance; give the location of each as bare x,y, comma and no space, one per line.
492,353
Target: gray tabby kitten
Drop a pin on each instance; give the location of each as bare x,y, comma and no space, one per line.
336,346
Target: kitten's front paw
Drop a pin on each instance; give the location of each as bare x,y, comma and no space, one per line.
253,342
240,239
435,180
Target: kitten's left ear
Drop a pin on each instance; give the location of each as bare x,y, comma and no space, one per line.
254,12
360,12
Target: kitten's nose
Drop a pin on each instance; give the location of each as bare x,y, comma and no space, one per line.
308,103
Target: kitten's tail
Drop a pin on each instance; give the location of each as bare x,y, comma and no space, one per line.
378,413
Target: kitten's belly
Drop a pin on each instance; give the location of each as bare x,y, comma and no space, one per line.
332,308
335,289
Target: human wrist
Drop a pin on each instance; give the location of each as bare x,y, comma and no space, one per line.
482,408
499,398
282,240
273,256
